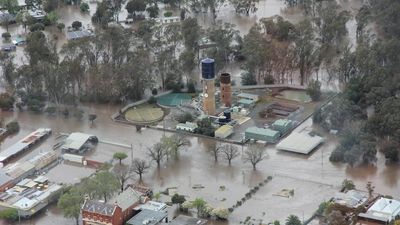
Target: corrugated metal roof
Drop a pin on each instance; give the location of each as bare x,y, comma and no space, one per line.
148,217
282,122
128,198
262,131
76,140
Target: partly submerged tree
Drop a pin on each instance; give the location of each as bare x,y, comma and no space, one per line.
70,203
254,154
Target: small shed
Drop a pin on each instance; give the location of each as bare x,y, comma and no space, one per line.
188,126
248,96
246,103
262,134
282,125
224,131
300,143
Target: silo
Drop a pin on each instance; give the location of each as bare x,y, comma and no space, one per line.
226,89
208,76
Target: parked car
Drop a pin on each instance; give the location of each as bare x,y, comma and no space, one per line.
8,48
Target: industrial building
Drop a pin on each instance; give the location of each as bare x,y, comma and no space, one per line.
29,195
5,181
208,80
262,134
188,127
300,143
20,170
79,142
282,125
24,145
226,89
224,131
43,159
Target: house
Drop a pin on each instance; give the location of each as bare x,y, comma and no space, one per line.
100,213
148,217
224,131
351,198
248,96
78,34
117,213
262,134
383,211
188,126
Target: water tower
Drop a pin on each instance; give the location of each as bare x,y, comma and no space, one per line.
226,89
208,78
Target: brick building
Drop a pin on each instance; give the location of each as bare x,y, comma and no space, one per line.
116,213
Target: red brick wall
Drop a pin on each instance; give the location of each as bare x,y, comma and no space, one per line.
115,219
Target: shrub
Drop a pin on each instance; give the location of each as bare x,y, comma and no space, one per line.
51,110
191,88
168,14
76,25
12,127
269,79
154,91
84,7
185,117
220,213
6,35
36,27
348,184
60,26
152,100
9,214
6,101
314,90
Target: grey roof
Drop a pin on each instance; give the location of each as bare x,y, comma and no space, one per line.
72,35
4,178
247,95
24,143
127,198
148,217
187,220
99,207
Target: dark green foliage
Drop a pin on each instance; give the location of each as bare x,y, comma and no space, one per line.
84,7
9,214
134,6
60,26
36,27
76,25
153,11
184,117
314,90
191,88
269,79
205,127
390,149
154,91
168,14
293,220
6,35
178,199
248,78
348,185
12,127
6,101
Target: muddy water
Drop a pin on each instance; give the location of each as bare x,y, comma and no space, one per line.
195,166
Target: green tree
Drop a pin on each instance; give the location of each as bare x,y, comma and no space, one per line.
134,6
348,185
12,7
190,32
76,25
84,7
245,6
205,127
70,203
314,90
106,184
178,199
6,101
92,117
9,214
200,205
120,156
293,220
12,127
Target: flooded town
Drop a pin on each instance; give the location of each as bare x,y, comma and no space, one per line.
192,112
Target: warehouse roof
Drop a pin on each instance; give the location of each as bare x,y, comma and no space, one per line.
148,217
4,178
300,143
262,131
76,140
383,210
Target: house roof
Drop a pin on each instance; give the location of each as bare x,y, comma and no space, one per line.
351,198
383,209
148,217
99,207
151,205
282,123
128,198
72,35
